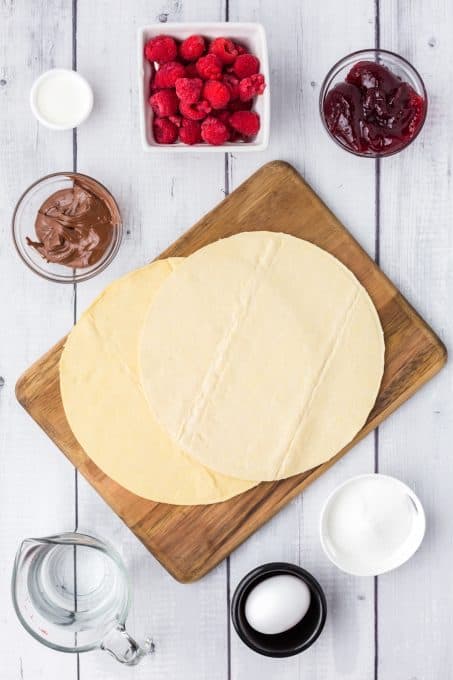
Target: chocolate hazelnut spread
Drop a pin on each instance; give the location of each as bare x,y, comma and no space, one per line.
75,226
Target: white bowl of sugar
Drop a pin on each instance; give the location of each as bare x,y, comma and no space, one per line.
371,524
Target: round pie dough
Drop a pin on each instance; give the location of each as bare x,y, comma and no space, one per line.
262,356
107,410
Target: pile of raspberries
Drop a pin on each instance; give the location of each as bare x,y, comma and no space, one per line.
203,91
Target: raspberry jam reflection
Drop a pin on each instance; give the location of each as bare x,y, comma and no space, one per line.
373,112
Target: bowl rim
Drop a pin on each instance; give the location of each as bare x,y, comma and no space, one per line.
198,26
325,88
268,570
34,89
103,546
75,278
418,538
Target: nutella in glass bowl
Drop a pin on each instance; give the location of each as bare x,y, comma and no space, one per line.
373,103
67,227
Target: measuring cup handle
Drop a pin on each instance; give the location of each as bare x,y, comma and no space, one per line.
124,648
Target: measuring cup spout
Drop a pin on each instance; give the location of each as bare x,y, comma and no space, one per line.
30,546
124,648
27,545
26,548
71,591
68,538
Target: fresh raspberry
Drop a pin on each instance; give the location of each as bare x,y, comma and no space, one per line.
164,103
246,65
250,87
196,111
217,93
214,132
176,120
240,49
191,70
189,89
168,74
190,131
233,83
165,132
224,116
209,67
162,49
245,122
224,49
192,48
238,105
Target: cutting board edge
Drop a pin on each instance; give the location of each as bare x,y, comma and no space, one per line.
275,166
191,576
317,472
432,363
26,375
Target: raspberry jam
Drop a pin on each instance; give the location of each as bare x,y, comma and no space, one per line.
373,112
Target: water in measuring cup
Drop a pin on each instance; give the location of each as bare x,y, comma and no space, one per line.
77,587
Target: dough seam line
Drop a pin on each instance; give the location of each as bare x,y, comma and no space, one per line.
213,374
150,466
336,336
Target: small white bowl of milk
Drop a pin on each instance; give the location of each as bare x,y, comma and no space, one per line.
61,99
371,524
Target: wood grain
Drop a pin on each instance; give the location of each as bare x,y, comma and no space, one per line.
36,484
189,541
347,646
159,197
407,634
416,445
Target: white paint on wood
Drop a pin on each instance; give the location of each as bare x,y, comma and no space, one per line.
160,196
416,601
36,482
303,44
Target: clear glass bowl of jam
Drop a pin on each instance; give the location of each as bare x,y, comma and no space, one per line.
373,103
67,227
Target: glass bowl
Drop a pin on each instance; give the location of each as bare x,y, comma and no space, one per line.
23,226
397,65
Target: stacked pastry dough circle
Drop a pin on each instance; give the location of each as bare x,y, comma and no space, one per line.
107,410
258,357
261,356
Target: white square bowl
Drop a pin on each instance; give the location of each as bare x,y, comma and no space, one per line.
251,35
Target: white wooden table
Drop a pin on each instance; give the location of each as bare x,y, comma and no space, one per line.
398,626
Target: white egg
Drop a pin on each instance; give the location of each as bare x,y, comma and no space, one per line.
277,604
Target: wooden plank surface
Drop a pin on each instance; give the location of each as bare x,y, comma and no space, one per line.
35,485
190,541
158,196
416,247
346,648
402,627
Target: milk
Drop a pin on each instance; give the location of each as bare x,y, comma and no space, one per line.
61,99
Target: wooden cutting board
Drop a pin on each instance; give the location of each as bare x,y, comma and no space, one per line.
191,540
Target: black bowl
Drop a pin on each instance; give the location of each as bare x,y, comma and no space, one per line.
293,641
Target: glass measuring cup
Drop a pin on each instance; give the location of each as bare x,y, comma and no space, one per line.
71,592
